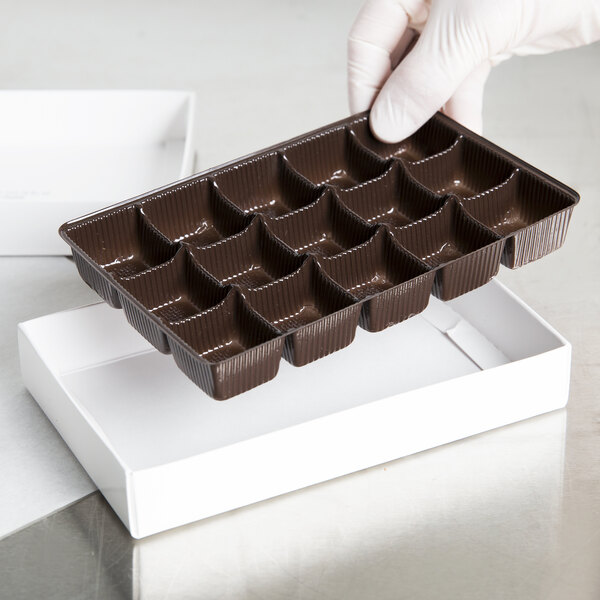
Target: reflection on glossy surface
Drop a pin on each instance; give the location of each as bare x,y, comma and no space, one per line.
82,551
442,519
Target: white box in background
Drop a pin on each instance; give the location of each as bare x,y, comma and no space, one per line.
68,153
165,454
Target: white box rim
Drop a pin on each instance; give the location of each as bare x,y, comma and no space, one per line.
143,518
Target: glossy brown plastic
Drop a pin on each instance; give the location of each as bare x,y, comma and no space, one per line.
250,258
239,349
434,137
334,157
392,283
123,243
533,215
465,169
173,291
286,250
120,243
394,199
266,185
465,253
195,213
318,316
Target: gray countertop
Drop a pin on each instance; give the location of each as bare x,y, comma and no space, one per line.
434,525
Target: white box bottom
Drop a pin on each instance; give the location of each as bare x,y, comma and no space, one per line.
165,454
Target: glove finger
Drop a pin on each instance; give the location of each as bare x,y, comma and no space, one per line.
466,104
424,81
375,35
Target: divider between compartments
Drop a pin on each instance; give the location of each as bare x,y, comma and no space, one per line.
363,155
234,301
286,189
405,292
506,184
381,252
289,290
530,197
190,250
451,217
412,241
231,322
333,157
414,168
475,230
428,136
300,177
299,184
336,228
469,253
329,326
543,212
465,169
198,204
233,259
159,289
160,248
121,243
393,197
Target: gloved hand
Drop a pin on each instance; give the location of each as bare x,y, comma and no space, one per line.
447,67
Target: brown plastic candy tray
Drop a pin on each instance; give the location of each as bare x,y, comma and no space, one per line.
286,251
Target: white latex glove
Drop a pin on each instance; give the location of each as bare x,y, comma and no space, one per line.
447,67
